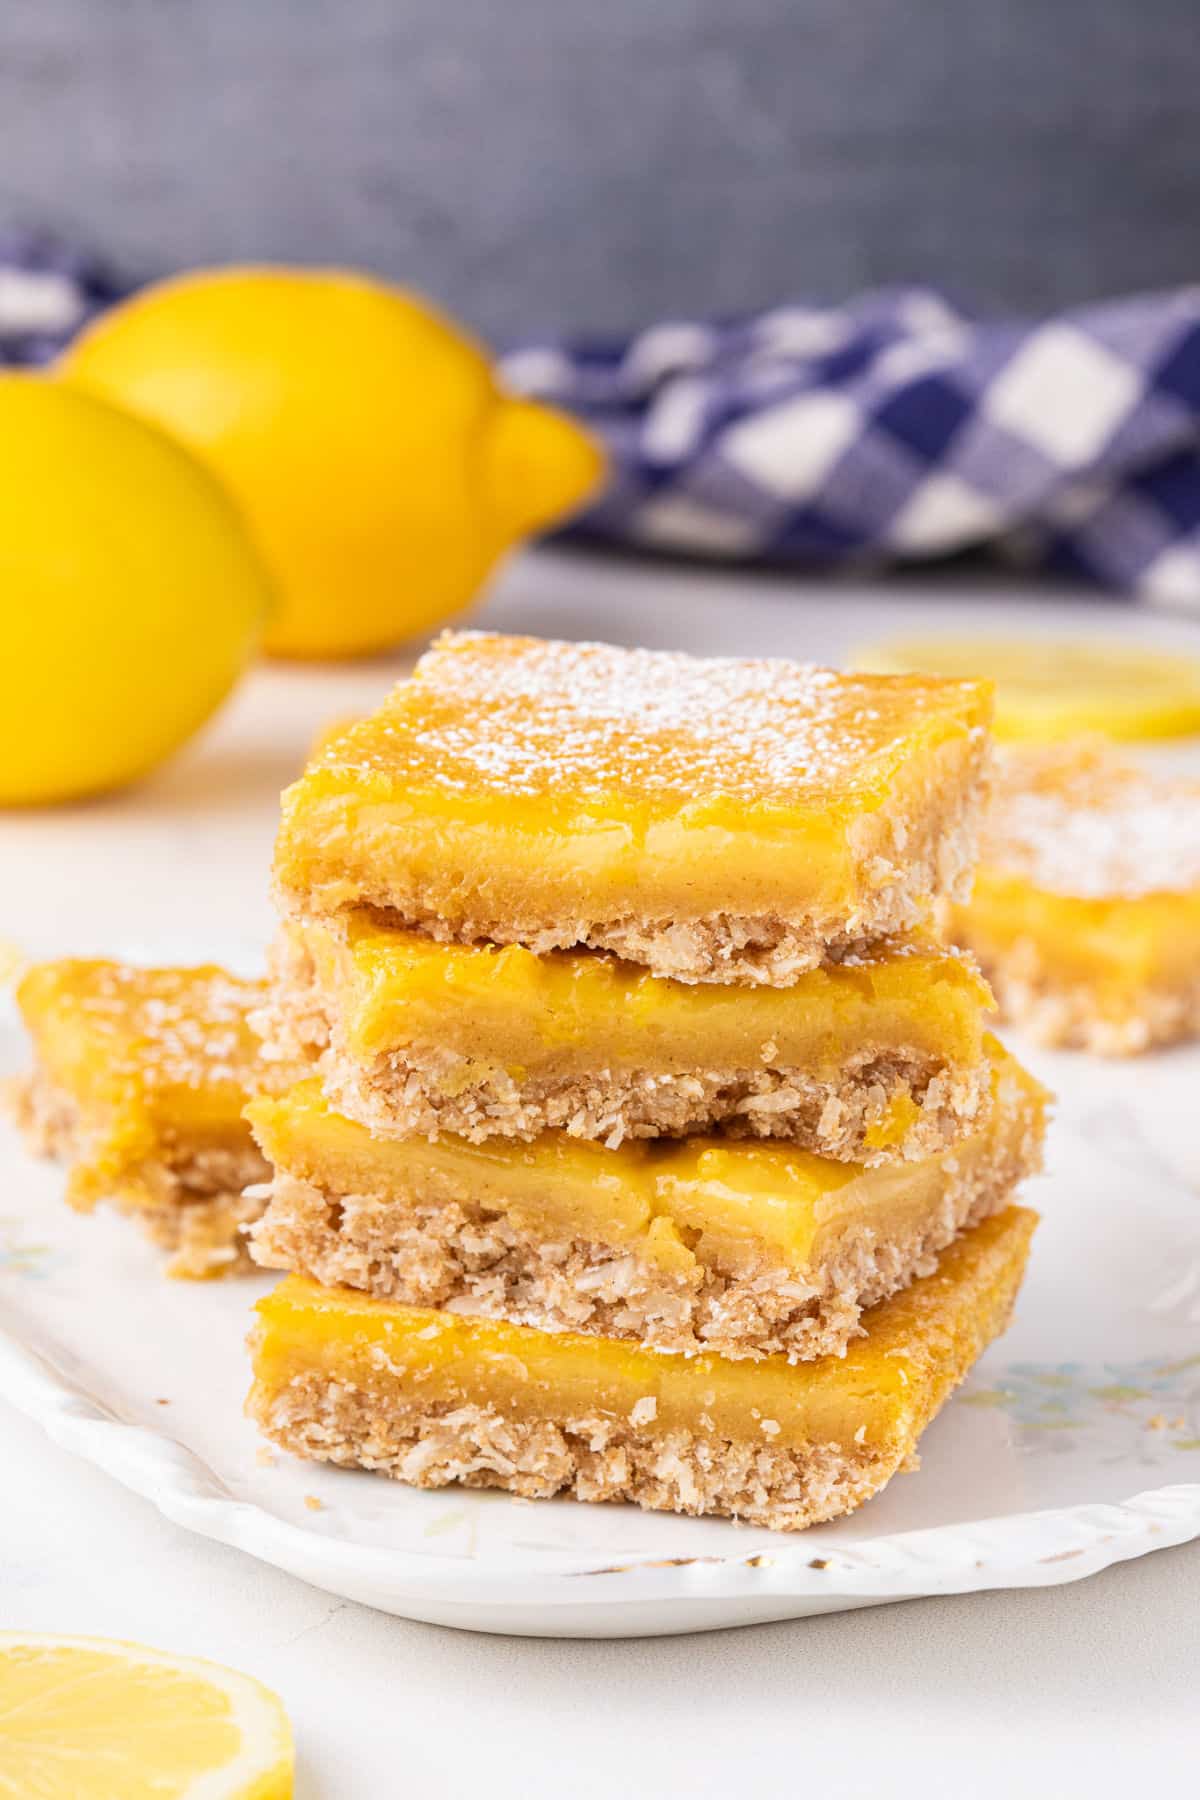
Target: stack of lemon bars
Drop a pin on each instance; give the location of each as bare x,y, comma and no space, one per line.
652,1148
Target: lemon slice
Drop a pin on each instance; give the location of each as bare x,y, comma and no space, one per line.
94,1718
1048,689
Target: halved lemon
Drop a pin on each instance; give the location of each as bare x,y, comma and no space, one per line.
97,1719
1048,689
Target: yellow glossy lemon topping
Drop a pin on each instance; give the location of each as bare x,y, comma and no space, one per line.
388,989
919,1344
677,1201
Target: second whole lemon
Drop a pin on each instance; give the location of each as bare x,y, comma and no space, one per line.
381,467
131,597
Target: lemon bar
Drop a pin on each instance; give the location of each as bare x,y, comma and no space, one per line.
699,1243
1086,909
714,820
432,1398
140,1080
878,1057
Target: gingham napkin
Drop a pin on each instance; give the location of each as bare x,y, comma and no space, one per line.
48,290
895,428
899,428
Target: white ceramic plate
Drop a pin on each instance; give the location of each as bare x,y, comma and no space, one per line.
1075,1444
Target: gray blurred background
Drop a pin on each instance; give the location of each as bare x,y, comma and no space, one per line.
570,164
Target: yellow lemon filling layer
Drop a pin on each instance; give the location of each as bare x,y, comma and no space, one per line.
567,1012
676,1202
1116,947
919,1344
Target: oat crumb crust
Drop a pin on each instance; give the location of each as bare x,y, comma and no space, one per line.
191,1203
592,1459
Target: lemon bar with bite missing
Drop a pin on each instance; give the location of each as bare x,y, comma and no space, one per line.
433,1397
715,820
139,1083
1086,907
877,1057
750,1249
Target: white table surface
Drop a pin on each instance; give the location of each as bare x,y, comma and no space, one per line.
1073,1690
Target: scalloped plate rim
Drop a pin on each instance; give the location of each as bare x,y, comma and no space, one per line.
1076,1541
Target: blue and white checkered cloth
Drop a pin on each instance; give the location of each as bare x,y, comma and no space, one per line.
48,291
900,428
896,428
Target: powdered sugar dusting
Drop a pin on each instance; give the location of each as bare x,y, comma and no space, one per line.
183,1027
1077,820
527,717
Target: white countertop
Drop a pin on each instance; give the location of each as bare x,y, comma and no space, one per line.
1061,1691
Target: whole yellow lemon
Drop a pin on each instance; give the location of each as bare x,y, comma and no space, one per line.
131,596
381,467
